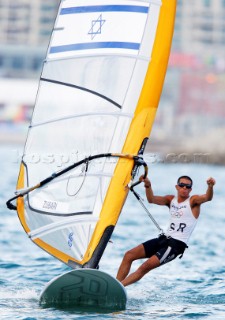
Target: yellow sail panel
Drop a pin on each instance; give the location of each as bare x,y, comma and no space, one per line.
141,124
20,200
98,93
54,252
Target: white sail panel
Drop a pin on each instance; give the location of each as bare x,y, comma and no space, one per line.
77,231
106,75
103,60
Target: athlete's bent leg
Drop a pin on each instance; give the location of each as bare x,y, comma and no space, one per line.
130,256
148,265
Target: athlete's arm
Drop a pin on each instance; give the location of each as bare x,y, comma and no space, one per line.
199,199
160,200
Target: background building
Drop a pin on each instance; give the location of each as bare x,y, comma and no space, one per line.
25,28
191,115
200,27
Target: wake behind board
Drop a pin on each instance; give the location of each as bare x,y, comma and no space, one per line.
84,288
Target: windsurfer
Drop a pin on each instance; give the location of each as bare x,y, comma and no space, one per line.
184,212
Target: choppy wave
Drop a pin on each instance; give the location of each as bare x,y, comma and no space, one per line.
190,288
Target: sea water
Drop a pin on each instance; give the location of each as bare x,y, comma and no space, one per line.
189,288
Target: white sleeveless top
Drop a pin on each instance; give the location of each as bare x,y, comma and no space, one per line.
182,220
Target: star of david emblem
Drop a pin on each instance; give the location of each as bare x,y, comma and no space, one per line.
96,27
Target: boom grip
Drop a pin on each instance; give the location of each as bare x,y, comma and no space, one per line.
145,175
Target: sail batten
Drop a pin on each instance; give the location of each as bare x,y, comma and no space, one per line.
114,114
83,89
137,57
97,99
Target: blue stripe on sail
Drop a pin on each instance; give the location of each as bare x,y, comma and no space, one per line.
95,45
107,8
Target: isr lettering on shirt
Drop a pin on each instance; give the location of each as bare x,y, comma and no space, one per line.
182,221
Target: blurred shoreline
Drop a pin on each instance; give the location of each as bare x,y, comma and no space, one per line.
173,151
200,150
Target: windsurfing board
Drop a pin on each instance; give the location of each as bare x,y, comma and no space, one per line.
84,288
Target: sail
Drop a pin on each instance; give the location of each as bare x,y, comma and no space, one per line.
98,93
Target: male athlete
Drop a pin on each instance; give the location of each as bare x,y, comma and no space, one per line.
184,212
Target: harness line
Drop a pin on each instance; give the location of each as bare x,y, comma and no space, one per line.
147,211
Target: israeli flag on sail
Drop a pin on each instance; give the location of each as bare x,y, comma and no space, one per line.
98,29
